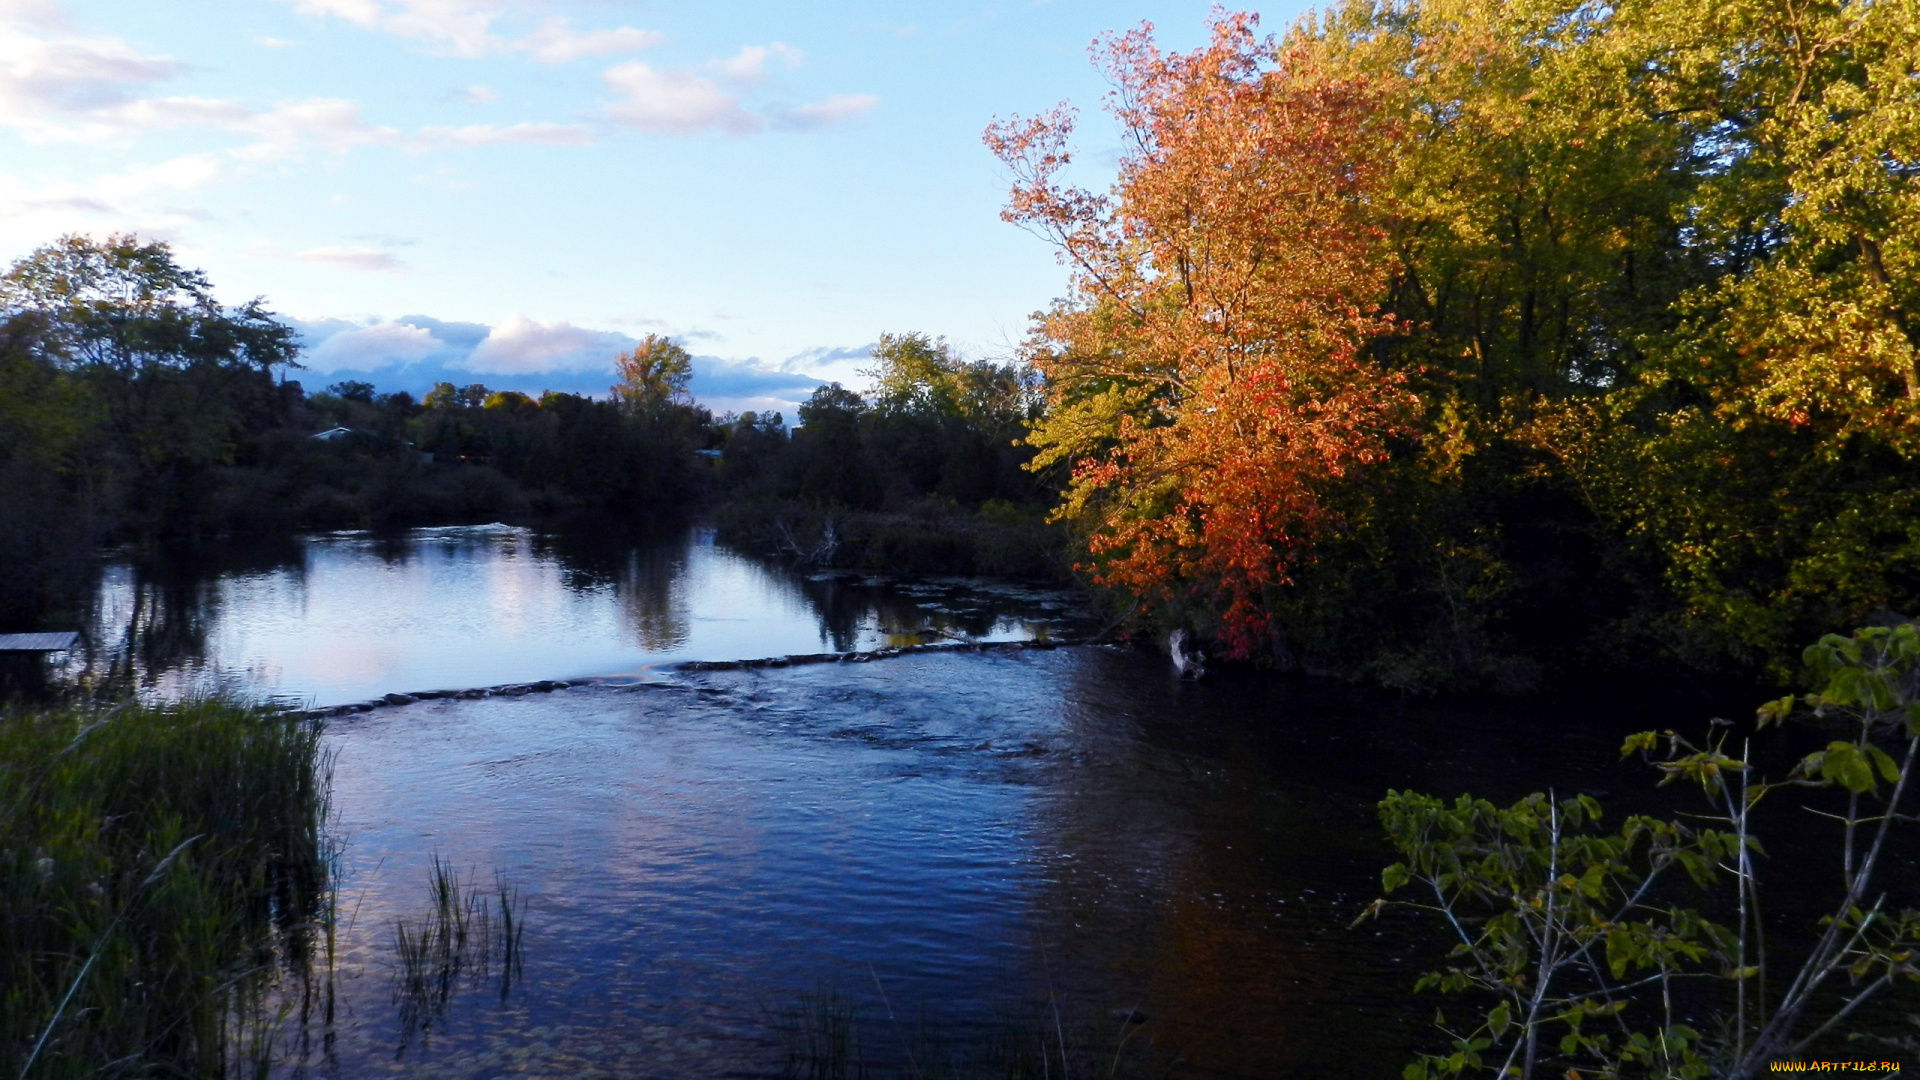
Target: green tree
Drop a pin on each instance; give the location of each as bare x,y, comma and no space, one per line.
1571,940
179,382
914,375
653,376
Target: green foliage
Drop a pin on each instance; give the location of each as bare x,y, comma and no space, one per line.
167,381
158,864
1656,285
924,475
934,426
653,376
1561,924
1571,938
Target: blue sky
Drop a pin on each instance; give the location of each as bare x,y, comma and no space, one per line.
509,191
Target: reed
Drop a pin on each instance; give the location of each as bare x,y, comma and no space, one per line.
459,939
162,868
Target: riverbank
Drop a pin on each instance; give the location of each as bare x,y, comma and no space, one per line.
161,865
929,538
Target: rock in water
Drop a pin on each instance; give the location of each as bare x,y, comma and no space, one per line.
1188,660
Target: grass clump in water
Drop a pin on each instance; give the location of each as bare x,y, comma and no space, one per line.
160,867
463,932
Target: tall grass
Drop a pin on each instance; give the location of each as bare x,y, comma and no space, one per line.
160,867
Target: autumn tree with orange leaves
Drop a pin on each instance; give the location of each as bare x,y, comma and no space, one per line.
1209,375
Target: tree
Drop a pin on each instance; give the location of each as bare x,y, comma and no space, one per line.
832,464
1578,937
653,376
353,390
121,305
913,375
1767,449
1208,377
178,379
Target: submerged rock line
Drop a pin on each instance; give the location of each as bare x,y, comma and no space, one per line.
547,686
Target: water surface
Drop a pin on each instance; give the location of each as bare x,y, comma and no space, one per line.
963,848
342,617
943,840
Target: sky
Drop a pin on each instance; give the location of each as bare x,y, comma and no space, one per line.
512,191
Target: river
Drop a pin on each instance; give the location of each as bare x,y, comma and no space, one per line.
946,853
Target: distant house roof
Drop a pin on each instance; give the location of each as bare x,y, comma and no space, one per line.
332,433
57,641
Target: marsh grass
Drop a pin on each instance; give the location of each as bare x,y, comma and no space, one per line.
163,869
461,937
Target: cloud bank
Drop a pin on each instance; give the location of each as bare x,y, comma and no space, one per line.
413,352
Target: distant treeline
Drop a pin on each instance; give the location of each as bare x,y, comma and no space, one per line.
135,407
926,473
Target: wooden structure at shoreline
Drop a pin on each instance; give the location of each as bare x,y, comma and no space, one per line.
50,642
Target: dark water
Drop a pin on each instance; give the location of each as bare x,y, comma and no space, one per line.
963,849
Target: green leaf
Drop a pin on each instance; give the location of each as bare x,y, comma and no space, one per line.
1645,741
1889,771
1499,1020
1846,766
1774,712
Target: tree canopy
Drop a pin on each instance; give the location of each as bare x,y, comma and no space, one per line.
1429,338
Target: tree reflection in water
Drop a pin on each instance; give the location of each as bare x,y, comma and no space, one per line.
339,617
652,596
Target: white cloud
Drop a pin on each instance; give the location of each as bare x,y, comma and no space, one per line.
362,260
455,26
749,65
466,28
414,351
273,43
674,102
287,129
85,89
71,87
831,110
37,14
520,345
183,173
555,42
476,95
365,348
491,134
137,199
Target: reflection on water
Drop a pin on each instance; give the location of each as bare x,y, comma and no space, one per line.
342,617
937,842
